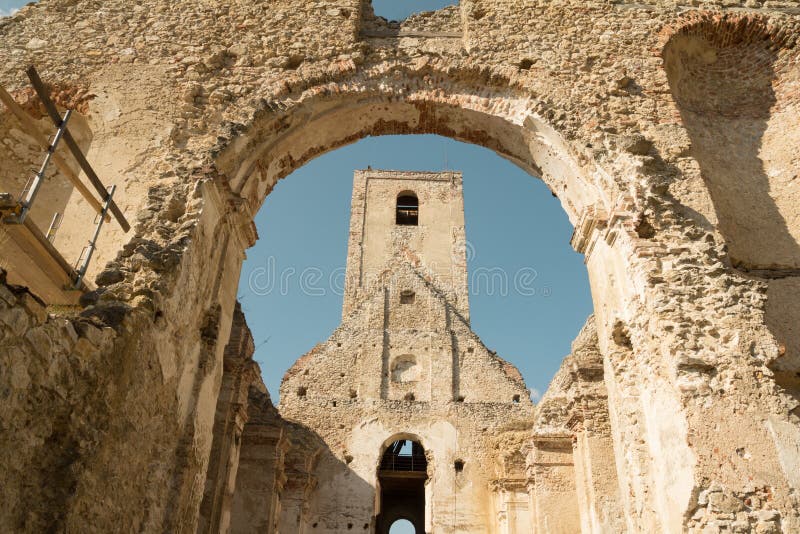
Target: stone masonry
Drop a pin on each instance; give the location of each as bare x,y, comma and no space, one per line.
668,131
404,364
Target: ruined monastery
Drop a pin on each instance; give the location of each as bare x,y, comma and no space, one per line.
139,138
405,366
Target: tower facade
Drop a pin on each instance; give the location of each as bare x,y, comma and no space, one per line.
413,217
418,418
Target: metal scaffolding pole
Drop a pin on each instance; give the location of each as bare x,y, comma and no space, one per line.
32,188
89,250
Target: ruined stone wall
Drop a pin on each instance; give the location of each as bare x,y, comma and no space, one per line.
240,374
436,244
52,410
550,463
260,479
404,364
681,199
146,419
574,411
571,460
596,476
458,400
555,503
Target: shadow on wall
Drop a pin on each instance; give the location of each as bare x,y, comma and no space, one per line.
22,157
783,321
722,71
287,480
730,77
336,499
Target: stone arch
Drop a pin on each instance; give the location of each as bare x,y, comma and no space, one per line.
308,117
310,114
400,436
305,117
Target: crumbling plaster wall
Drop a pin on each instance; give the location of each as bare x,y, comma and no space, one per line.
574,91
463,400
571,461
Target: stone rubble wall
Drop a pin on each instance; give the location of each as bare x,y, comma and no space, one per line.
53,407
260,479
200,107
458,406
240,374
573,419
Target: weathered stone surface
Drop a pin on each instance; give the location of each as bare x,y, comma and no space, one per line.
196,109
404,364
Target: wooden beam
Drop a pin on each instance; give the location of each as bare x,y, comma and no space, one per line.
38,85
30,260
32,129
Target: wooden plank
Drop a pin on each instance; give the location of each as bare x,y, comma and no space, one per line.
32,129
38,85
31,260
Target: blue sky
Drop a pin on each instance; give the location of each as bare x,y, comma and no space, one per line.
391,9
401,526
512,221
9,6
400,9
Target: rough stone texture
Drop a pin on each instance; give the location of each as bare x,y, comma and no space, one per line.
398,369
240,373
667,131
261,477
572,424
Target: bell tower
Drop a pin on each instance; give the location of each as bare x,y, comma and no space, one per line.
405,372
408,217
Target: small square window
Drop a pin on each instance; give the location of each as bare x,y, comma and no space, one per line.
407,297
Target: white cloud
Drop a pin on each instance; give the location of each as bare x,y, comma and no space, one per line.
536,395
7,12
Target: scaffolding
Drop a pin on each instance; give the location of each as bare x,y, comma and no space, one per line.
29,255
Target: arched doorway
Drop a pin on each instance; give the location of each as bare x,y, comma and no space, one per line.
308,117
402,473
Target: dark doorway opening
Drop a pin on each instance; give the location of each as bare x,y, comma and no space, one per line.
401,476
